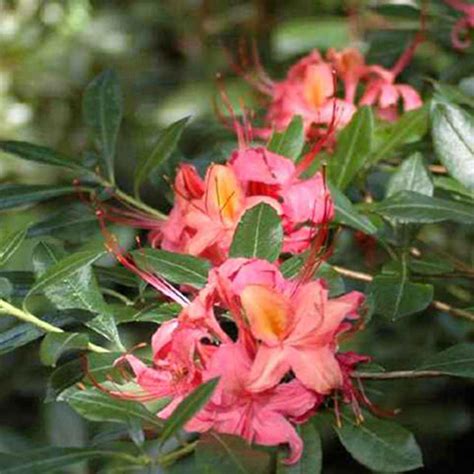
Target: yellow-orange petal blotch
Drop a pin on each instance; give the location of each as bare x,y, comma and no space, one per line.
268,312
318,84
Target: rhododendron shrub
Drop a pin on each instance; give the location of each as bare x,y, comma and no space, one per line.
233,311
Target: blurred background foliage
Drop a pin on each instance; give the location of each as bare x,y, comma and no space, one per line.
167,54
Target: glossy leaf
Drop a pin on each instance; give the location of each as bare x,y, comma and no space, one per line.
48,460
102,108
411,126
55,344
162,150
259,234
395,296
10,243
353,148
217,453
347,214
457,360
175,267
417,208
95,405
289,143
188,408
453,131
15,195
39,154
411,175
451,185
380,445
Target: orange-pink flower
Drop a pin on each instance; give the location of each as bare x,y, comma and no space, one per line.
203,222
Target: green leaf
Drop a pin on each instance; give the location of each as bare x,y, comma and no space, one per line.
453,94
15,195
353,148
39,154
452,133
102,108
163,149
451,185
20,282
412,175
395,296
217,453
64,269
458,360
6,288
55,344
188,408
433,266
99,366
95,405
48,460
10,243
417,208
258,234
411,126
289,143
311,460
24,333
68,281
346,214
380,445
176,267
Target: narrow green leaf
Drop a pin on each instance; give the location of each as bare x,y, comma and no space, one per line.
217,453
433,266
418,208
451,185
353,148
346,213
412,175
289,143
188,408
102,108
95,405
20,282
453,94
163,149
15,195
68,281
10,243
380,445
395,296
259,234
39,154
55,344
176,267
65,269
311,460
453,132
458,360
6,288
411,126
48,460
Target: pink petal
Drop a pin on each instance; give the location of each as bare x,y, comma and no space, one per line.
411,98
269,366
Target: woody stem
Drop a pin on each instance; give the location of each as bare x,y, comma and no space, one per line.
439,305
134,202
398,374
11,310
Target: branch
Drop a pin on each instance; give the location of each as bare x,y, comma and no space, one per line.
354,275
398,374
11,310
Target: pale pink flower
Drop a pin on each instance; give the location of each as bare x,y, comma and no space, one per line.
460,33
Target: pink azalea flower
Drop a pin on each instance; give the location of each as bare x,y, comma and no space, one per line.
382,90
203,224
265,418
460,33
308,91
296,324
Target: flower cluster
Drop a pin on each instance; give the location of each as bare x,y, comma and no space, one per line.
277,358
272,342
310,87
